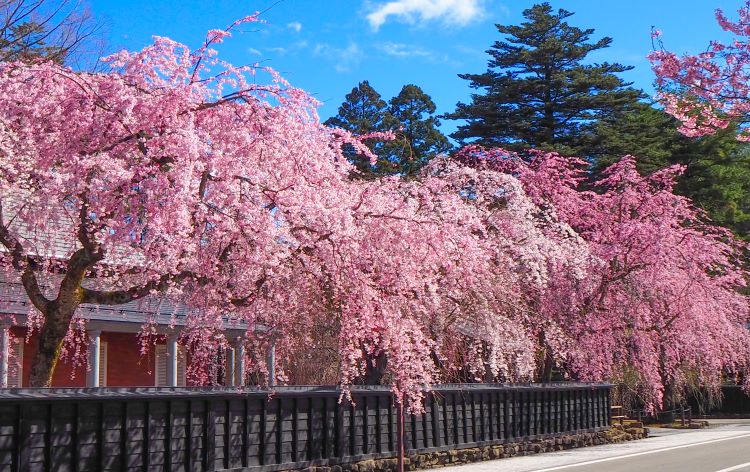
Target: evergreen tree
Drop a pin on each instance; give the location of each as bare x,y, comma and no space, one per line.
717,175
412,112
646,133
363,111
720,184
537,92
410,115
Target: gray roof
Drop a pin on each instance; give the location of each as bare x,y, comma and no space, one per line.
55,237
13,300
161,311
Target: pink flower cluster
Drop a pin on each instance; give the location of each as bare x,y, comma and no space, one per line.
658,295
710,90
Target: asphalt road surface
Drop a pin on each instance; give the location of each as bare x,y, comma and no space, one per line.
724,447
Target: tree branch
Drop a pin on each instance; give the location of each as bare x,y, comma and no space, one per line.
23,264
119,297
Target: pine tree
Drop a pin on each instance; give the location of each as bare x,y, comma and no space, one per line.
537,91
363,111
717,174
646,132
720,184
412,113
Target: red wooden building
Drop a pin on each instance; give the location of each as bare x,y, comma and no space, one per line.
114,356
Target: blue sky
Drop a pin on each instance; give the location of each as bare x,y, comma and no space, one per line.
327,46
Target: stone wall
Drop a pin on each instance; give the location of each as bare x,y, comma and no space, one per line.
429,460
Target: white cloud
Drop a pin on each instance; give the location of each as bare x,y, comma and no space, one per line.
403,50
296,26
411,51
293,48
344,58
456,12
254,51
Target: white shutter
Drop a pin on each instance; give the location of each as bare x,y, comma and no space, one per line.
102,364
15,368
228,367
160,370
232,367
181,365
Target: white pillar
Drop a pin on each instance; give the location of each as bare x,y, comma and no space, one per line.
94,357
230,376
271,365
4,354
172,353
240,363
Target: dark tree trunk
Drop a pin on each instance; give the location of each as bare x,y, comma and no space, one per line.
670,395
51,336
57,315
544,374
375,369
547,366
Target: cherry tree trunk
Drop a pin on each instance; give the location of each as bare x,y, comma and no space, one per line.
376,368
51,337
548,366
547,361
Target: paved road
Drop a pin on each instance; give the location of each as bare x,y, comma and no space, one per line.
725,447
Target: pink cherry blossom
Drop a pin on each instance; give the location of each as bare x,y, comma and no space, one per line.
709,90
657,296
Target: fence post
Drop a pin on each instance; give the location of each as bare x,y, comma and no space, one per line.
400,435
124,437
458,424
491,407
146,434
341,441
245,432
523,406
167,439
474,419
436,412
295,430
262,437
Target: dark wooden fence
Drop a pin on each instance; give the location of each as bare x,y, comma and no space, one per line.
189,429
